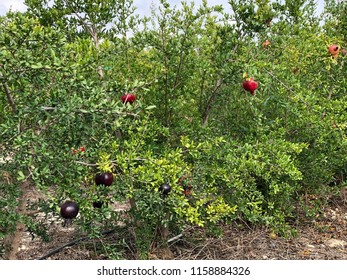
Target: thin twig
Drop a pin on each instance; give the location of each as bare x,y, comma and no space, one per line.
175,238
286,86
83,111
85,163
213,95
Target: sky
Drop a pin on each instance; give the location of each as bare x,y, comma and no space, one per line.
143,6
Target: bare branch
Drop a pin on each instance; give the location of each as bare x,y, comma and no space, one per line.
86,164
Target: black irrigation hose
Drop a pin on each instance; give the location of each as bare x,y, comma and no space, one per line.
73,242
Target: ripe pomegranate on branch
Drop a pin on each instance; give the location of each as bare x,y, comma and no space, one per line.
250,85
128,98
334,50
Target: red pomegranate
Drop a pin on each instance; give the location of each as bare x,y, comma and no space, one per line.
250,85
128,97
334,50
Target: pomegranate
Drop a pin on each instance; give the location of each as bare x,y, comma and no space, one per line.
266,44
128,97
250,85
164,189
334,50
105,178
69,209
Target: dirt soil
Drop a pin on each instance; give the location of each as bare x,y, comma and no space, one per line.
324,237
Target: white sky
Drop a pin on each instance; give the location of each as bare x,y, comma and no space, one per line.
142,5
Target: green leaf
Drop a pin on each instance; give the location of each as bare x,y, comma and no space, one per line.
151,107
36,66
20,176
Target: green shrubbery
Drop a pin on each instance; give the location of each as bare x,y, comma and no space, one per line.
225,153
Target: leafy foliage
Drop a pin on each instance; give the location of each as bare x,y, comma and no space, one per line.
226,154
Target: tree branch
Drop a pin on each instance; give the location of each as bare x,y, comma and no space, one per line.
10,98
210,101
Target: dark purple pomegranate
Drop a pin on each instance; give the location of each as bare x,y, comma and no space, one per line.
69,209
105,179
